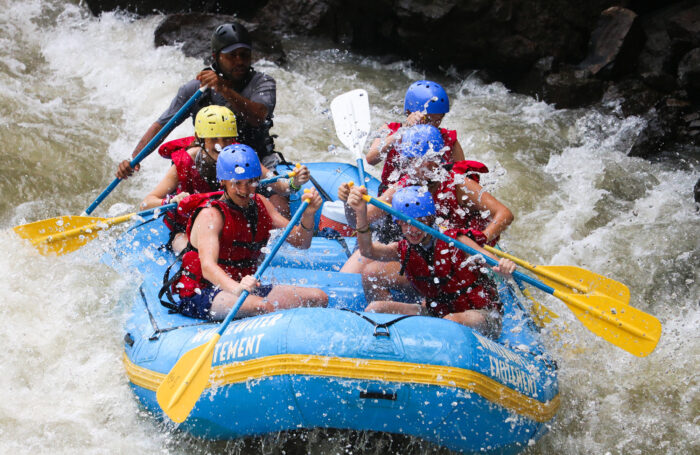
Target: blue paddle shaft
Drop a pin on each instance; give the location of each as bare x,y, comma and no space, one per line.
361,170
162,208
449,240
152,144
272,179
295,219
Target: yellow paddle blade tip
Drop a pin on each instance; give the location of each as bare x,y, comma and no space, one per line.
182,387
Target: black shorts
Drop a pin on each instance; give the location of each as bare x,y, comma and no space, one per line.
198,305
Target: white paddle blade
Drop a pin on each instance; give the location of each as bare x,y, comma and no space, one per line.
351,117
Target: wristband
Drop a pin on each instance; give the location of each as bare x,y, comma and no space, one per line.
293,188
301,223
166,200
364,230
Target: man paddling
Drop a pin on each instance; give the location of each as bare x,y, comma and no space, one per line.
235,84
225,241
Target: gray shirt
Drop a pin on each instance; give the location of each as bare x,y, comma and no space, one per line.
261,88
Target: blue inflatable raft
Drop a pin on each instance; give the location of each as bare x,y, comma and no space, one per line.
338,367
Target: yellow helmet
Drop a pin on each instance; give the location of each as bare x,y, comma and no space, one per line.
215,121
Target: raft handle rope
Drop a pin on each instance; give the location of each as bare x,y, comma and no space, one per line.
380,330
156,330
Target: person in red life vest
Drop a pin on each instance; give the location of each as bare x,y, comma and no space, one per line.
450,282
233,83
460,201
225,241
194,172
426,102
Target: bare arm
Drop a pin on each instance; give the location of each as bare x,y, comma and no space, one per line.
165,187
281,186
205,237
381,145
302,233
457,152
505,267
369,249
146,138
373,213
253,113
472,195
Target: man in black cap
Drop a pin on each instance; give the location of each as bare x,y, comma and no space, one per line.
234,84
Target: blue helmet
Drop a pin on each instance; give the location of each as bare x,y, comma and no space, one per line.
418,140
413,201
428,97
238,162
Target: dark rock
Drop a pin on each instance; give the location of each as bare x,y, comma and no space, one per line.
689,74
533,82
684,26
301,17
571,89
696,191
665,127
176,6
614,45
633,95
193,32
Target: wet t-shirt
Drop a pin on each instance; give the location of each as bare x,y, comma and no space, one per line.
261,88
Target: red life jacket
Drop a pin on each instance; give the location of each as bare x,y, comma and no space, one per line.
188,177
443,276
245,232
177,219
188,180
166,149
392,157
452,215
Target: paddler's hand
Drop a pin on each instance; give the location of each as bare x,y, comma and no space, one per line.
344,192
124,171
210,79
179,197
415,118
248,283
355,199
315,200
505,267
301,176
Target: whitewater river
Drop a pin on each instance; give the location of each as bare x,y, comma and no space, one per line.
77,92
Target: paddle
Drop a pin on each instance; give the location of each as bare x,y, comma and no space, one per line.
566,277
152,144
611,319
272,180
183,386
350,113
66,234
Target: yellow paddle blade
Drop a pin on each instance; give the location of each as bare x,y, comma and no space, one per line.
185,383
67,233
564,278
567,277
622,325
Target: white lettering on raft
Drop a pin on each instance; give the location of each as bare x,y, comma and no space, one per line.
508,374
230,350
243,325
500,350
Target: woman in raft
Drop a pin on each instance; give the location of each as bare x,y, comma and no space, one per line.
451,283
